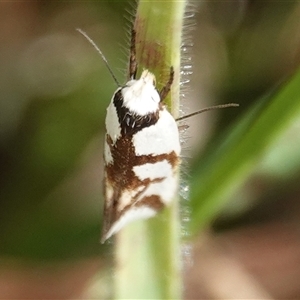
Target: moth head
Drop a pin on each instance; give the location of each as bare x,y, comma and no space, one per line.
141,96
148,77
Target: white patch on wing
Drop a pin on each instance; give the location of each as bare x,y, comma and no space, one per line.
109,191
112,124
127,196
161,138
107,154
159,169
165,189
140,96
133,214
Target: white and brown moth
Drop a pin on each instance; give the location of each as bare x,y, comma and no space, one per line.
141,150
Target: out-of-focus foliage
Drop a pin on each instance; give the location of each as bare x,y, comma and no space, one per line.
259,47
55,89
54,93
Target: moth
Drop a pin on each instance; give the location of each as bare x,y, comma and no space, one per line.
141,151
141,148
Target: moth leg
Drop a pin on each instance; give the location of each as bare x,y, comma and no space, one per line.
166,89
132,60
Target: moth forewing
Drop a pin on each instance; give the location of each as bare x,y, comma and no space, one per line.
142,151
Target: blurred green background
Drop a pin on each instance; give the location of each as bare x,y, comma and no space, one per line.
54,92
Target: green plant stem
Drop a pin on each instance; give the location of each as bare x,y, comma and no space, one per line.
147,253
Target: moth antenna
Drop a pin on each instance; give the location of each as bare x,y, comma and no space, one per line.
207,109
102,55
132,60
166,89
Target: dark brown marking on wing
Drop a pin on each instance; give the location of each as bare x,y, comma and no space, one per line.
152,201
121,177
130,122
121,173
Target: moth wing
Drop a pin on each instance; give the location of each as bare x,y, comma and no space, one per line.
116,218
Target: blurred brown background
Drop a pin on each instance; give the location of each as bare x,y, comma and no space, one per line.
54,91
